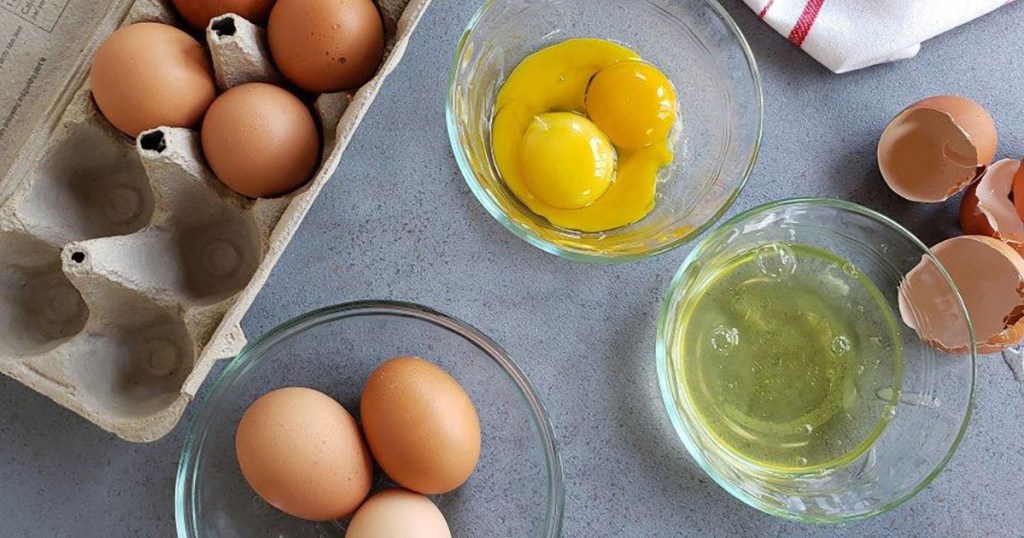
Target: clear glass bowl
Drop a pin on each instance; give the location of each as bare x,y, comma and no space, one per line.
334,350
936,388
698,47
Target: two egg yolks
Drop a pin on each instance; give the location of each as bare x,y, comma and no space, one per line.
581,130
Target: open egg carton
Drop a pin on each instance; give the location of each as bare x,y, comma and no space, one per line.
125,265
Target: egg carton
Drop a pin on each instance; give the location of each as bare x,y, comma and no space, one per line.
125,265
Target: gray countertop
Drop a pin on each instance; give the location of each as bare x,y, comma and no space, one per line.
398,222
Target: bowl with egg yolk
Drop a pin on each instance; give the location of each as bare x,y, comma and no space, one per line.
600,130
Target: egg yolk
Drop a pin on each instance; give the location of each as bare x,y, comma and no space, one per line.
564,166
633,103
567,162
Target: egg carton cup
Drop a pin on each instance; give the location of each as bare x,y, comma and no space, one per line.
125,265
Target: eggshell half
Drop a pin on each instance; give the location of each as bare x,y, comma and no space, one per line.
398,513
993,194
936,147
970,116
990,277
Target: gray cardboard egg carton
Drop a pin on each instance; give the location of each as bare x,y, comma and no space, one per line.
126,267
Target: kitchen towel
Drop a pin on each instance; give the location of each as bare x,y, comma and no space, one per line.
845,35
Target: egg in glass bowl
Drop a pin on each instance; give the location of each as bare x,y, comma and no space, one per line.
334,351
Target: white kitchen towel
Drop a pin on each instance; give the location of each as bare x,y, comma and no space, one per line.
845,35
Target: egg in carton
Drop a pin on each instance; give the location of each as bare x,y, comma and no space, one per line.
125,265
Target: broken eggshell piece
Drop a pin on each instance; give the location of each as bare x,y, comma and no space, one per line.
936,147
1018,191
990,278
972,220
992,195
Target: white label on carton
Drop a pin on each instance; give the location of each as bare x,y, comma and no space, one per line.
44,14
40,43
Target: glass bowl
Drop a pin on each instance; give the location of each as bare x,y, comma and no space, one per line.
334,350
699,48
927,405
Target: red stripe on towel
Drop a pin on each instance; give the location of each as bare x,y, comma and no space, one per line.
805,22
767,6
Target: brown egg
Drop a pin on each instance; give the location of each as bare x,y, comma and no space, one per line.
990,277
303,453
397,513
936,147
150,75
325,46
197,13
261,140
420,425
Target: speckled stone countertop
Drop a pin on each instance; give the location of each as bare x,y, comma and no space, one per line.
398,222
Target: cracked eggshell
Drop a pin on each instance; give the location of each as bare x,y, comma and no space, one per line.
972,220
994,206
936,147
1018,190
990,277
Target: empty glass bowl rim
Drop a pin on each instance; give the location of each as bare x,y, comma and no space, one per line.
186,484
531,237
662,357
